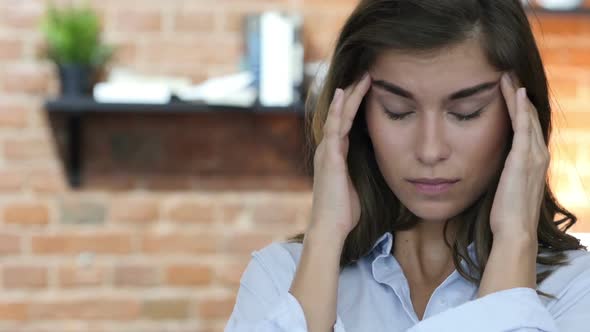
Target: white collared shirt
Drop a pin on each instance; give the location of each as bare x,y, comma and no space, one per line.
373,295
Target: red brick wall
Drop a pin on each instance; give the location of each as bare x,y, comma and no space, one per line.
157,248
564,42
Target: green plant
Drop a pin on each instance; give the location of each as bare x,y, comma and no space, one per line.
73,36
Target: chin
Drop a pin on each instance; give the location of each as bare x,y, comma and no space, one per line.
433,211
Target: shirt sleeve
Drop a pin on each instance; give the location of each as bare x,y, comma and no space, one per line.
263,303
572,310
521,309
516,309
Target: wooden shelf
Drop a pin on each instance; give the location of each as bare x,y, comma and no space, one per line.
75,110
89,105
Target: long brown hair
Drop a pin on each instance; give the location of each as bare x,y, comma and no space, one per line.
423,26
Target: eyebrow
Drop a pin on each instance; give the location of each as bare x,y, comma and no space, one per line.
463,93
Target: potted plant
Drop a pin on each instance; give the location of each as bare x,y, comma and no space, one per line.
73,38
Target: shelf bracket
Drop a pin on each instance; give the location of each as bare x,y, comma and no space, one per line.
74,147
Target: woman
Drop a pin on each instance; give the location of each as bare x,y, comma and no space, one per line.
431,207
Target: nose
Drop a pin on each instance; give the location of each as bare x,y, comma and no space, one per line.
431,142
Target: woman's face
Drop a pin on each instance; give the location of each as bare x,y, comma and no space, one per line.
432,140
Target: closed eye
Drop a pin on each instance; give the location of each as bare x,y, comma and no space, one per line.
470,116
460,117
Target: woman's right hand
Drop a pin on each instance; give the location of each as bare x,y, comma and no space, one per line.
336,207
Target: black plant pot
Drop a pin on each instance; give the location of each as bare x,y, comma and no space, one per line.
76,80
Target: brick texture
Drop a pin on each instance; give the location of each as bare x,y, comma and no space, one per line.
26,214
173,205
24,276
188,275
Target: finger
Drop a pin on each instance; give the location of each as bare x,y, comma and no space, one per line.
536,123
519,115
523,128
530,109
539,154
332,125
350,89
537,133
352,103
510,97
539,148
538,139
516,83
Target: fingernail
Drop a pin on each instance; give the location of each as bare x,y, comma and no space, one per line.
366,75
522,92
508,78
337,94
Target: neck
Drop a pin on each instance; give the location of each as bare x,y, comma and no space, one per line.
423,254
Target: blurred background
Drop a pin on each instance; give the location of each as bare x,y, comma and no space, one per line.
147,147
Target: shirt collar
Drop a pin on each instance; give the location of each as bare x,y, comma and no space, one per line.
382,247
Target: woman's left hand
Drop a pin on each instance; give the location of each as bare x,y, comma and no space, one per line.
514,217
516,208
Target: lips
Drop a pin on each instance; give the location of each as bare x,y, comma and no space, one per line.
433,187
433,181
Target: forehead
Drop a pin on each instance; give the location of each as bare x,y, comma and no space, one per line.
439,72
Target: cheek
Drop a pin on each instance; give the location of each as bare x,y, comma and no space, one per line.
387,142
487,142
392,153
